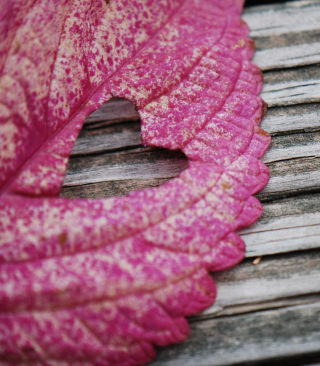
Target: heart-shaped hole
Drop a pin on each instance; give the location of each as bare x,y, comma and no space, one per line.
108,158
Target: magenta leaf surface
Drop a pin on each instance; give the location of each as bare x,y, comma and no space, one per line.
100,282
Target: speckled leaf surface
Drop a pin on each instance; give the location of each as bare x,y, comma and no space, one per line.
100,282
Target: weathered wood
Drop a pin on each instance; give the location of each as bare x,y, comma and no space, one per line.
114,110
140,163
288,56
287,178
296,86
298,232
292,182
110,138
293,146
261,336
275,19
274,279
289,38
292,119
110,188
216,311
286,225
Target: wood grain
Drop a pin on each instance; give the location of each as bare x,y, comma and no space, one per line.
140,163
292,86
269,336
110,138
288,56
292,119
276,19
249,285
113,111
111,188
288,224
293,146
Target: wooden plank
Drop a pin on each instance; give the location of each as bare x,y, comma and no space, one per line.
287,87
292,119
286,225
273,20
116,109
291,92
110,138
110,188
288,56
285,234
218,311
293,146
289,38
287,49
140,163
262,336
81,186
286,178
290,177
279,120
275,279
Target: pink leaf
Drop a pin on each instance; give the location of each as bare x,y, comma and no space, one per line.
99,282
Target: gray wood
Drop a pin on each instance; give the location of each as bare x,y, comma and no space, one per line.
297,86
140,163
291,176
114,110
272,20
284,180
261,336
293,146
249,286
299,232
292,119
286,39
216,311
110,188
288,183
288,56
286,225
108,139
